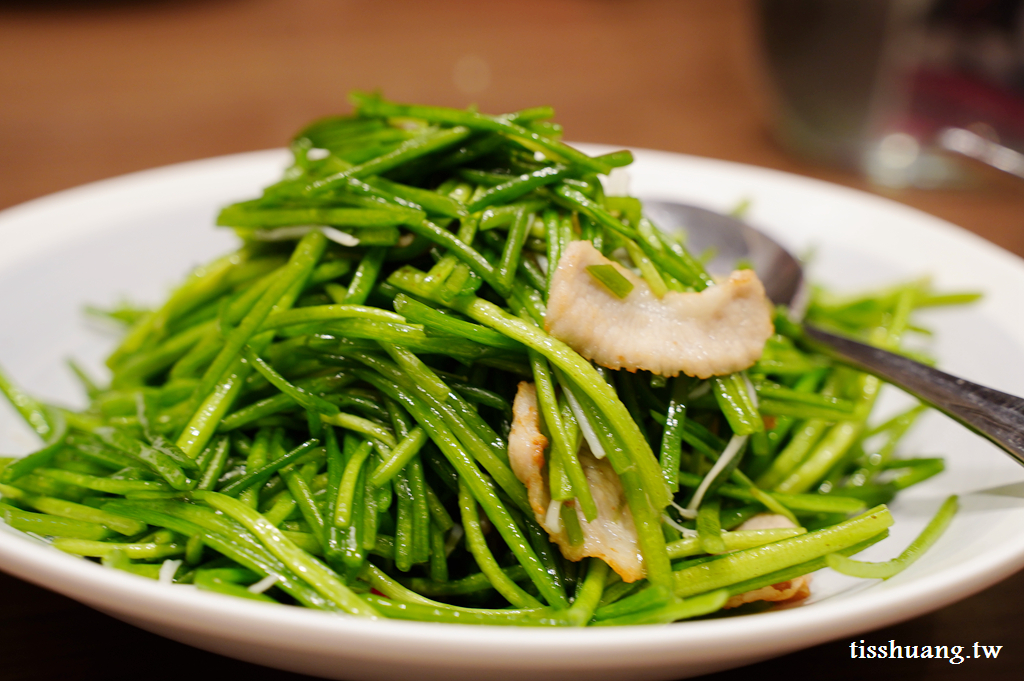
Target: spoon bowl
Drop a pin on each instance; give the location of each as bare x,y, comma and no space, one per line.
730,241
992,414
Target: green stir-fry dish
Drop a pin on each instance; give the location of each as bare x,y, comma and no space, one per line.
446,377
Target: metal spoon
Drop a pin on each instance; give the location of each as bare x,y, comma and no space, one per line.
990,413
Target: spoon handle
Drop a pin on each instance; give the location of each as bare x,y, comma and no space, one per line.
990,413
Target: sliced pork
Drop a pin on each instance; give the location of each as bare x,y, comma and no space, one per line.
612,535
791,590
716,332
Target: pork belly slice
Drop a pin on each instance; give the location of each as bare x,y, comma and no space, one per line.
716,332
791,590
612,536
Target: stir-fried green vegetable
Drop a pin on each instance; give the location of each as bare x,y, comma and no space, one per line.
323,417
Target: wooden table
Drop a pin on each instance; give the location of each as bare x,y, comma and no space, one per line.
93,90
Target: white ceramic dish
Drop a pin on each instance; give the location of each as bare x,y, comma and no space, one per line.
135,236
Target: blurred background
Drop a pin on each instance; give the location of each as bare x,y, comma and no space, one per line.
872,93
918,100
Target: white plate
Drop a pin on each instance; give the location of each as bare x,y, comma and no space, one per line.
135,236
